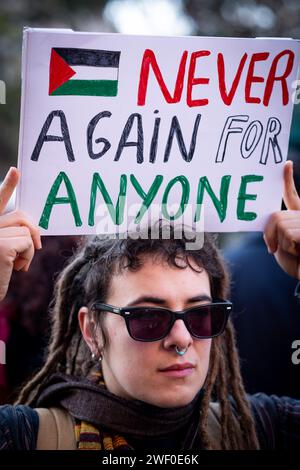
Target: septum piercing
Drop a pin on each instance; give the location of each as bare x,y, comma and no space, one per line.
180,352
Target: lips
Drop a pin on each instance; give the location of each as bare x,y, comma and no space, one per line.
186,365
178,371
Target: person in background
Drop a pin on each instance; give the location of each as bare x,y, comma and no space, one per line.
266,315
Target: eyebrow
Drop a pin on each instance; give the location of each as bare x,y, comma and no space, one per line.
158,301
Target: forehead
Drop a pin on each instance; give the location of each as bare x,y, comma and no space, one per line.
157,278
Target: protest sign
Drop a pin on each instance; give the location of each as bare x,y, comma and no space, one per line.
116,127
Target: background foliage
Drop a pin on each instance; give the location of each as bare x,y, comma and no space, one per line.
241,18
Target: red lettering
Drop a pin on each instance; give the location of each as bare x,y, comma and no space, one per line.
282,78
150,59
278,72
251,78
228,97
192,81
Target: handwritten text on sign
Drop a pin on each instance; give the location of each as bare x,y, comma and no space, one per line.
114,126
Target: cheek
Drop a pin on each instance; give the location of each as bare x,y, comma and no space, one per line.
206,346
122,350
203,349
129,359
116,334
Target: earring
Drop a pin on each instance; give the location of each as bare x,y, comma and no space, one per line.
97,358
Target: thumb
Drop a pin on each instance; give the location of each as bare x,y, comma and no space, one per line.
8,186
290,195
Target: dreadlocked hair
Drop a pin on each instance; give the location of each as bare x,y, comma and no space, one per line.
87,279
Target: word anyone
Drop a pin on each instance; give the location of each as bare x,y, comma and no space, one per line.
117,212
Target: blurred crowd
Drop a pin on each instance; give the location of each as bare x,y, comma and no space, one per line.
25,314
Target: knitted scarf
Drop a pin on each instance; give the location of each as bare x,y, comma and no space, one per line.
105,421
89,437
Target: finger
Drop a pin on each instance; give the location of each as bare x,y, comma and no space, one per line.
25,257
289,240
24,253
6,272
17,218
7,238
279,223
8,186
13,232
22,264
290,195
17,250
280,218
270,234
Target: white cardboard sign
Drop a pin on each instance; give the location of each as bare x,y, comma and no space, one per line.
115,128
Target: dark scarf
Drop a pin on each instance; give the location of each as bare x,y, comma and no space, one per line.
93,403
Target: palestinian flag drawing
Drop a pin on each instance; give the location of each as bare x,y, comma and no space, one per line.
88,72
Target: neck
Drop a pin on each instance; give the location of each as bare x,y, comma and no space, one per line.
93,403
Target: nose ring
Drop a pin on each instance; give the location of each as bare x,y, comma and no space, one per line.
180,352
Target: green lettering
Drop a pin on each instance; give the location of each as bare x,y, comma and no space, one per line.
52,199
220,204
243,197
117,214
184,197
147,198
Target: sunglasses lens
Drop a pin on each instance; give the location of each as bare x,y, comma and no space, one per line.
149,325
207,321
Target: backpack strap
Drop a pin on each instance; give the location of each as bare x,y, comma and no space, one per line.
56,430
214,425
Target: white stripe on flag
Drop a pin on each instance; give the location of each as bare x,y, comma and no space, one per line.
84,72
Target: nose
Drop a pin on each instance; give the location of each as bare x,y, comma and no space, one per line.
178,336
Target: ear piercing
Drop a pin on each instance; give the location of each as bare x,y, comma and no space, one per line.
96,357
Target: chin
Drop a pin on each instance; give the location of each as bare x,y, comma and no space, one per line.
175,400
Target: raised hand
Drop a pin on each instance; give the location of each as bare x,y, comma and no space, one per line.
18,236
282,233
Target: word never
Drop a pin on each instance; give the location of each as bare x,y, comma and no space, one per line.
227,96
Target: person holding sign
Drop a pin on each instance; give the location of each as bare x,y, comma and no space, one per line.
142,353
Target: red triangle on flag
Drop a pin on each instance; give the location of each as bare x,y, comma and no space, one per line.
60,71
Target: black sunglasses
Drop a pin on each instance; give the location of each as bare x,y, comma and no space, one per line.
155,323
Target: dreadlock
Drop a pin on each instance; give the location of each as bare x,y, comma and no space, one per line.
87,279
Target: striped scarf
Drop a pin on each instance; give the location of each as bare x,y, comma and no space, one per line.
102,419
89,437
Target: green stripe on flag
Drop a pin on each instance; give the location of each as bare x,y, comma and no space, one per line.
88,88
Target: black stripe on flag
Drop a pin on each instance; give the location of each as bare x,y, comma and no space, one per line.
92,57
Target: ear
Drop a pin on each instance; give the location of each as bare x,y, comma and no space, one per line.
87,326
